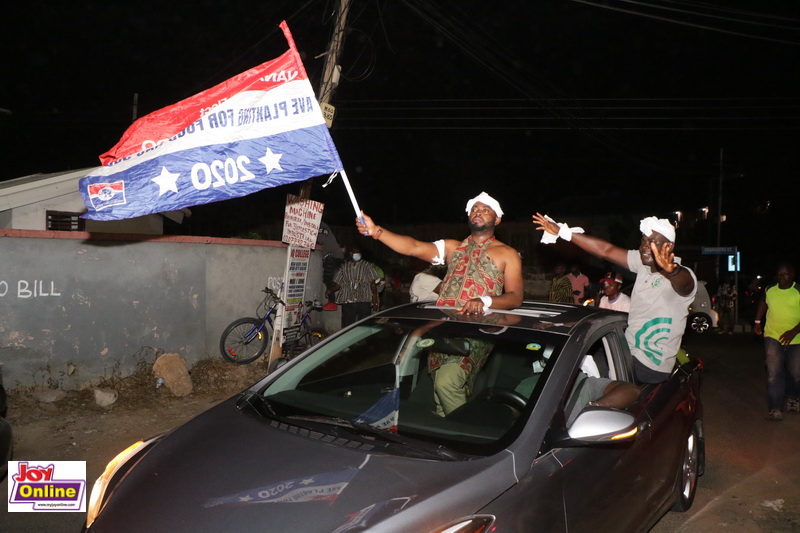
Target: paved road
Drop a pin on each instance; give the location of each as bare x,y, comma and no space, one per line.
752,480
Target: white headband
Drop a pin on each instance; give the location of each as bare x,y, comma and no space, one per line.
650,224
488,200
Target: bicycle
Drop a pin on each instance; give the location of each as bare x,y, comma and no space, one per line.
246,339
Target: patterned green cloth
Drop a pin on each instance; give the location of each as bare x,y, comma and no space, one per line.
561,290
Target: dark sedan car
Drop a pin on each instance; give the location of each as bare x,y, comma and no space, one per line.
346,437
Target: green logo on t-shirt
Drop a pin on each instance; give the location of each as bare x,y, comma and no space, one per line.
650,334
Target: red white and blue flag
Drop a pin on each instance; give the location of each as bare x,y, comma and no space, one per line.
317,487
325,486
260,129
384,413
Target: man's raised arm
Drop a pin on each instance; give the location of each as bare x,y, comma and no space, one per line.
402,244
593,245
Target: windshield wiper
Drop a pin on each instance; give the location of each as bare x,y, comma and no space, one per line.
322,419
435,450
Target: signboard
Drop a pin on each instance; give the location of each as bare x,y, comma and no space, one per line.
301,221
328,112
735,262
294,290
717,250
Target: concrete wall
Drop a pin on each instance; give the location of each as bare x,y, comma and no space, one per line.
78,307
24,203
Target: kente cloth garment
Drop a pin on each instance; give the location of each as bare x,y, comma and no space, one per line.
561,290
479,349
356,279
471,273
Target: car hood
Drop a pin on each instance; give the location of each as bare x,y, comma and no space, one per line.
231,470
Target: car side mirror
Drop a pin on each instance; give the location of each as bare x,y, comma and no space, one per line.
603,424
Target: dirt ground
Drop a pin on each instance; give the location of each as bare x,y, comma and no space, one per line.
69,428
75,428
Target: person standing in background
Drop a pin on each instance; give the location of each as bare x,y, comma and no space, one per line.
579,281
425,286
356,288
726,300
613,297
560,286
781,308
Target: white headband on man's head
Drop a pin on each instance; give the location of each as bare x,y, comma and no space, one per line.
650,224
488,200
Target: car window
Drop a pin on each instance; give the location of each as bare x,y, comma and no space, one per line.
598,368
379,359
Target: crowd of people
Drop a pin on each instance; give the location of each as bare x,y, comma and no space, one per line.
480,273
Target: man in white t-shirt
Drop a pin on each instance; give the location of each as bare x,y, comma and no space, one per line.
424,287
613,297
661,294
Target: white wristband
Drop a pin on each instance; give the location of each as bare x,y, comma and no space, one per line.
487,301
564,231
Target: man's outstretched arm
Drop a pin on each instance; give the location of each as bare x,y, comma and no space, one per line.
593,245
401,244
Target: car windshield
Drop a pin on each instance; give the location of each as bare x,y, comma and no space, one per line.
378,374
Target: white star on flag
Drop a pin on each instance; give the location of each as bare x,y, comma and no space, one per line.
166,181
271,160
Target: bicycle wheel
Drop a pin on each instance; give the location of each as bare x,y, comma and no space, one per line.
244,340
315,335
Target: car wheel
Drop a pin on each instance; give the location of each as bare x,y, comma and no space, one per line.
699,322
691,469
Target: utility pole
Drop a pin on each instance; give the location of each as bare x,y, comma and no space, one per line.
719,210
330,74
719,194
330,78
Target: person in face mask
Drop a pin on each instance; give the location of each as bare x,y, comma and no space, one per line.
356,288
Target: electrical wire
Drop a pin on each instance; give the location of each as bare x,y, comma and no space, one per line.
688,24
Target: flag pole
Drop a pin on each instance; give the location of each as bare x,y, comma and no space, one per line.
352,196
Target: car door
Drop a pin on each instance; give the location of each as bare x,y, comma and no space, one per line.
607,487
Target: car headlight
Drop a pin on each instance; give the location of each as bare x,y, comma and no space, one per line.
469,524
113,466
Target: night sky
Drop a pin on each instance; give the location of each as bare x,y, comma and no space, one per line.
558,106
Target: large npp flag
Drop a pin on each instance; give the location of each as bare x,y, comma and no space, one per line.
260,129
